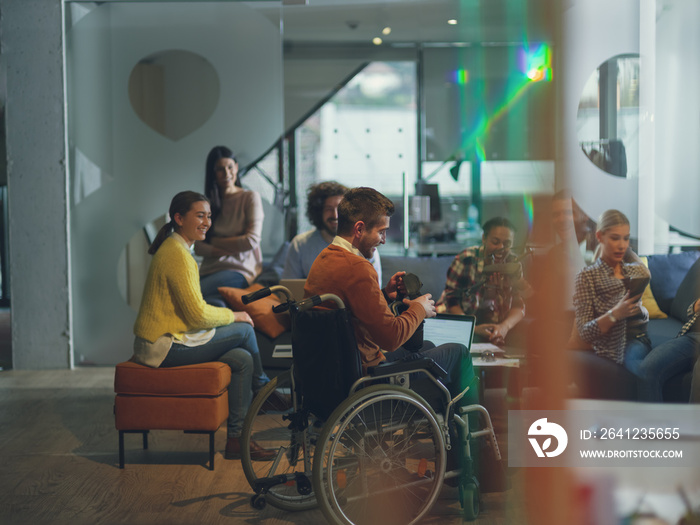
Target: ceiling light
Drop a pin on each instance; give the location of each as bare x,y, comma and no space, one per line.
452,21
386,30
377,41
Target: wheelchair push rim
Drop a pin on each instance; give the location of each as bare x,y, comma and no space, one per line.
380,458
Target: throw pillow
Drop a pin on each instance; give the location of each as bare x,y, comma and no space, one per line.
688,292
268,322
668,270
648,300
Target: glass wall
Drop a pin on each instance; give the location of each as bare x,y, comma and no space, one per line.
366,93
365,135
152,87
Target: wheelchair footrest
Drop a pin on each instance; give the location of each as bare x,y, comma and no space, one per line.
303,483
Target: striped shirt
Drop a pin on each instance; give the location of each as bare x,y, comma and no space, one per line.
597,290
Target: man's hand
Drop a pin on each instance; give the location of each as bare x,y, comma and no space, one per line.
494,333
243,317
395,284
425,302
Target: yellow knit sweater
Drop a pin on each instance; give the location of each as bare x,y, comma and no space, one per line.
172,300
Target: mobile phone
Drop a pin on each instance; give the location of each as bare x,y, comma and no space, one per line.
636,285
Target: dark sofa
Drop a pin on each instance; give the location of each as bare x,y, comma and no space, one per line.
672,285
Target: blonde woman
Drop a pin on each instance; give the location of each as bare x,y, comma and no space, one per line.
607,317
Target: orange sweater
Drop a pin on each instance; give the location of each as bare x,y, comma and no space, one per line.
353,279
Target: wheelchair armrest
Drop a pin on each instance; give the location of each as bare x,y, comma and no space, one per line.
408,365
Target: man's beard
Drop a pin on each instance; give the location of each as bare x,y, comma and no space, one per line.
332,231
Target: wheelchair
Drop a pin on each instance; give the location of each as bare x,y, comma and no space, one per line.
364,448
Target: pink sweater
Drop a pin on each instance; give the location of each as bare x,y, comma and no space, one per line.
240,225
353,279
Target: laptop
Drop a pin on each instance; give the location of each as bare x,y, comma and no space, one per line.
449,328
296,286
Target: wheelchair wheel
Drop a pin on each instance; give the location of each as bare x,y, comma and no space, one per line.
471,500
276,429
380,458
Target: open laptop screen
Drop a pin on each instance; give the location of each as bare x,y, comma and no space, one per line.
447,328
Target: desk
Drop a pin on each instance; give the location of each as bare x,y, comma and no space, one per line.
501,372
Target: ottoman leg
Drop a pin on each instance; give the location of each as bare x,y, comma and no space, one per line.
211,450
121,449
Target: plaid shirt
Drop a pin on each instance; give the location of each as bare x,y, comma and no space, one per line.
597,290
466,271
692,317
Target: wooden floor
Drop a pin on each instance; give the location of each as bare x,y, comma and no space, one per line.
58,464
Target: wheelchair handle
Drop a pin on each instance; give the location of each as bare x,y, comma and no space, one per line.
259,294
254,296
318,299
280,308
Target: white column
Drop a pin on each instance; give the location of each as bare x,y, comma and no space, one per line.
646,208
32,44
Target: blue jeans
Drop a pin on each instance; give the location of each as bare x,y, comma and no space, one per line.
635,352
235,345
211,283
673,357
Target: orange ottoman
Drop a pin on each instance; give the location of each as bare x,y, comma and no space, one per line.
192,398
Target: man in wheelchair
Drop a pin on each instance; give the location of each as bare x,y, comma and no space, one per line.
380,451
343,269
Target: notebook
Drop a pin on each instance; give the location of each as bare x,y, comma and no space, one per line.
296,286
448,328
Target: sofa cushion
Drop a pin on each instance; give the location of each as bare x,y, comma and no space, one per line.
688,292
272,271
202,379
648,300
667,273
260,311
598,377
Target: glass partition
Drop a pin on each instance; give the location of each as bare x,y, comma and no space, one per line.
367,93
152,87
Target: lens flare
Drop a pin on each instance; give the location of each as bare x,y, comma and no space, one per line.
485,101
529,207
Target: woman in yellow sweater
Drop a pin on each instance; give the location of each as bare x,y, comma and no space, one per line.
176,327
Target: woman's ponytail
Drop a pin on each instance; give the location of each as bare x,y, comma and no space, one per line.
163,234
181,203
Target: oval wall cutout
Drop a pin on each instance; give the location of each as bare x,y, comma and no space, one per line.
174,92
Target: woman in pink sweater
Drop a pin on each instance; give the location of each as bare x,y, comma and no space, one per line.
231,250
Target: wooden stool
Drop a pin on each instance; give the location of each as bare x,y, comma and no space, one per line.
192,398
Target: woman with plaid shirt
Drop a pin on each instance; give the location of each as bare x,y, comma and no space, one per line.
607,318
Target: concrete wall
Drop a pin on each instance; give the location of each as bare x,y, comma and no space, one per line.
32,49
